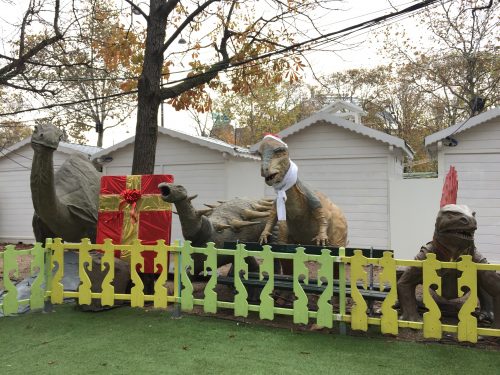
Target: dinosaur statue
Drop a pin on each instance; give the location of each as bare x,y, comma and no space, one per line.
66,203
453,236
239,219
304,216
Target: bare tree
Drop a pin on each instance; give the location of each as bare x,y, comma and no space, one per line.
458,65
226,34
27,49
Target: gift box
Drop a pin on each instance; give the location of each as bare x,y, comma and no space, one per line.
131,207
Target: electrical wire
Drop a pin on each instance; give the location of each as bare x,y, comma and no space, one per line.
15,161
297,47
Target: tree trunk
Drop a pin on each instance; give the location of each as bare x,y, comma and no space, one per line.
100,137
146,133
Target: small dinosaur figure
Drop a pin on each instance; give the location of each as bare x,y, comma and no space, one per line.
236,220
453,237
304,216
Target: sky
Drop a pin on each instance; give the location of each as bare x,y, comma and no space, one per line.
365,53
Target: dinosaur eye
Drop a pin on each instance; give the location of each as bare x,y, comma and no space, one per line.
279,152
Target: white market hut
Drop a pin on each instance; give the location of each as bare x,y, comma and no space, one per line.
353,165
16,211
473,148
213,169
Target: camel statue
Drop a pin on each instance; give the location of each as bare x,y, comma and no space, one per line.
66,204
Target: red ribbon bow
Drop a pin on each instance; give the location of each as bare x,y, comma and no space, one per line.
130,196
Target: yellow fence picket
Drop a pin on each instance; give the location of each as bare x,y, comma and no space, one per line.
432,322
56,286
108,290
160,296
389,320
467,325
359,319
466,329
84,259
325,313
137,291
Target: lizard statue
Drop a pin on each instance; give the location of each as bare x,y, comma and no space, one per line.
453,236
304,216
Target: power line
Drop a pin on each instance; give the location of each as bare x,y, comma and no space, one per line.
14,161
84,79
299,47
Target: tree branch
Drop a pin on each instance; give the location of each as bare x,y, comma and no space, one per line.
186,22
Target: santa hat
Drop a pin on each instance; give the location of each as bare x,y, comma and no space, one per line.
275,138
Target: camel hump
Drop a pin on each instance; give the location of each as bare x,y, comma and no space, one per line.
77,186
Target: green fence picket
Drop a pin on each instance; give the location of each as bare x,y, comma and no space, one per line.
45,261
240,267
325,312
210,264
10,303
37,291
300,310
187,299
266,269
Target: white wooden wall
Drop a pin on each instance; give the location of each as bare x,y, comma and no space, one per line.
16,211
208,173
477,161
353,170
414,204
361,175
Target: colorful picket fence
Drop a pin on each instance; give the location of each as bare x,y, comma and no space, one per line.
48,265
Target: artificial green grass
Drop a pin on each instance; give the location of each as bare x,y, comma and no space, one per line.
141,341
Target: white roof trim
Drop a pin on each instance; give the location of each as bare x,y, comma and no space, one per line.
207,142
461,126
67,148
349,125
341,104
15,146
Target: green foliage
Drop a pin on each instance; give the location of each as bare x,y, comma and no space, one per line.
262,108
96,64
11,129
456,61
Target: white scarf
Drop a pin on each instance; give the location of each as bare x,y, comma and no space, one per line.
280,188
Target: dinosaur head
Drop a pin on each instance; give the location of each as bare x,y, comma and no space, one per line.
172,193
275,160
47,135
455,227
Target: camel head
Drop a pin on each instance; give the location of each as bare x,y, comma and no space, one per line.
275,160
46,135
